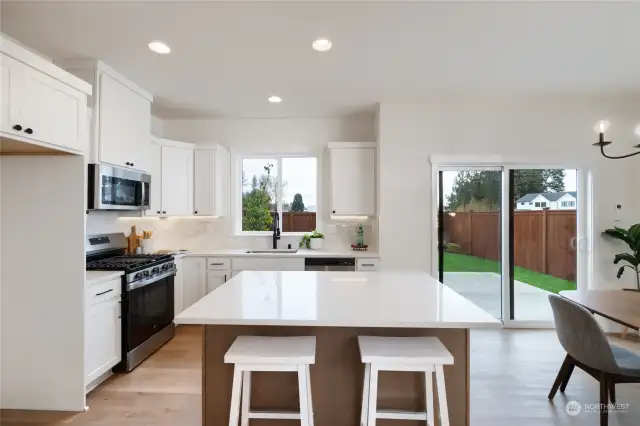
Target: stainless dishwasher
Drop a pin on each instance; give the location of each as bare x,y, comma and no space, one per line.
330,264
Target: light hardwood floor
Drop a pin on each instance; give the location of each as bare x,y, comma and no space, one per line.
511,373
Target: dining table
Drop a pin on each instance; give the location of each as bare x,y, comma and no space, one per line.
620,306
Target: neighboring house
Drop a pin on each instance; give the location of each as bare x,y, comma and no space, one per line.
550,201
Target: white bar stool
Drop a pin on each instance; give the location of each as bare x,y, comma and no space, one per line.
250,353
420,354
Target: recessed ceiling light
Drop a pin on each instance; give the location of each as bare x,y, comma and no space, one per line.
159,47
322,44
275,99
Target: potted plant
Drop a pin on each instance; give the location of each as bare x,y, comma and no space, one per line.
313,241
631,260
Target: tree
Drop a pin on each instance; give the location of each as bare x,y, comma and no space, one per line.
297,205
255,203
481,190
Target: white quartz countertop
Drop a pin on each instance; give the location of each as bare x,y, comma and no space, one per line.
338,299
300,253
94,277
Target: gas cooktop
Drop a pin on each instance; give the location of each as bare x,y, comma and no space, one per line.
128,263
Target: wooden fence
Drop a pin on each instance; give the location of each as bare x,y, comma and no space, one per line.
542,239
298,221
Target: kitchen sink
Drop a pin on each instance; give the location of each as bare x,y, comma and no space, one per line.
272,251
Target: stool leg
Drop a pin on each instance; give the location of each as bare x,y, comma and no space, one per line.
365,395
373,397
246,398
304,398
310,408
235,396
428,397
442,396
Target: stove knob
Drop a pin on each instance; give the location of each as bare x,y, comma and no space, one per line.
155,270
138,276
146,273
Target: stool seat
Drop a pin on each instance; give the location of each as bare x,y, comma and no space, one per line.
272,350
425,355
406,351
276,354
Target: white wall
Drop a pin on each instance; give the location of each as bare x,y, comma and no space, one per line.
42,273
157,126
541,130
247,136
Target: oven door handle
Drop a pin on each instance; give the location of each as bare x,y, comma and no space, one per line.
146,281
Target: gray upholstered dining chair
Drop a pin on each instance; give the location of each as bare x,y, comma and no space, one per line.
588,348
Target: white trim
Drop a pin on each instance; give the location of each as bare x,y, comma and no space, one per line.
100,67
348,145
28,57
172,143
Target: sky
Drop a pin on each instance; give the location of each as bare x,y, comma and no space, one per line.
448,177
299,174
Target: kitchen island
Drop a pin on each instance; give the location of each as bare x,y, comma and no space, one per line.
336,307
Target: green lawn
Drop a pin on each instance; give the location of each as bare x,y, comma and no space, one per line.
454,262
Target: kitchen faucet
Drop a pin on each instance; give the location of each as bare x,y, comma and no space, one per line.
276,230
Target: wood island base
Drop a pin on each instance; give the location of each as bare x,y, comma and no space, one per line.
336,377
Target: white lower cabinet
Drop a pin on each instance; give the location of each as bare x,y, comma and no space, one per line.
194,280
103,332
178,286
368,264
216,278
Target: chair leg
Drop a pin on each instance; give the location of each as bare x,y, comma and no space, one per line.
372,406
561,375
304,398
310,408
604,399
364,415
442,396
246,398
612,391
567,376
428,397
234,412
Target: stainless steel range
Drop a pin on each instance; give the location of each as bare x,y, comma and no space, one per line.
147,295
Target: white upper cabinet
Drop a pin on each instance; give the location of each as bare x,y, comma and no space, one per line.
124,125
353,179
121,121
41,103
177,180
212,181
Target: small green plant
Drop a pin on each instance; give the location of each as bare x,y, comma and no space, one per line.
451,247
630,236
306,238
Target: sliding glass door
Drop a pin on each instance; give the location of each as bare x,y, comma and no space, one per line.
510,236
470,234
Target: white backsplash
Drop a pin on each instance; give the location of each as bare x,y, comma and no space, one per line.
201,234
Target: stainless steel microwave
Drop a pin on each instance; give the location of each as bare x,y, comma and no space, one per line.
115,188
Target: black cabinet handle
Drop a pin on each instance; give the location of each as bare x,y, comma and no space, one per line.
28,131
104,292
158,212
164,212
334,211
132,164
368,264
17,127
195,212
127,163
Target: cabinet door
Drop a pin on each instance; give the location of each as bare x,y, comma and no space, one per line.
353,181
124,124
177,184
11,76
193,280
215,279
53,112
155,169
103,338
204,182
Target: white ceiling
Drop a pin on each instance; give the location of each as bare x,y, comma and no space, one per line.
229,57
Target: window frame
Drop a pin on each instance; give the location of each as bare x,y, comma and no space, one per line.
237,191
